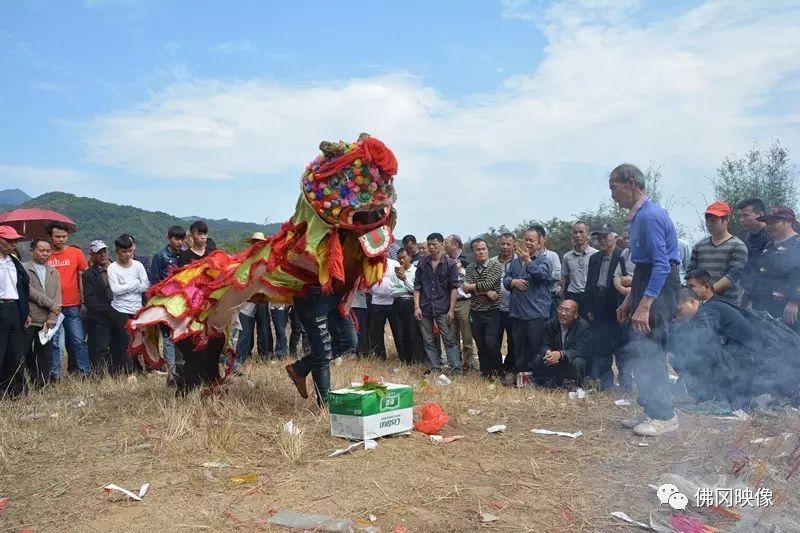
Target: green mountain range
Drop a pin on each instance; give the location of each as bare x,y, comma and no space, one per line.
106,221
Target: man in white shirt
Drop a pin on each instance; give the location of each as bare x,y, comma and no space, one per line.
128,281
409,341
14,314
575,267
381,310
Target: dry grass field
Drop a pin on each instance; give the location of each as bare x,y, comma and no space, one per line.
60,446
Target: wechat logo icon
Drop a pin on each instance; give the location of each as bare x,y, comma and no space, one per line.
670,494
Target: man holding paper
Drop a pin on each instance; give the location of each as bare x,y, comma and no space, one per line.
45,306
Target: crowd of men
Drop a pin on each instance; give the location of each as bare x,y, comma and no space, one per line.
621,297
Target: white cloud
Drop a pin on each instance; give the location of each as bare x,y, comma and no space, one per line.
37,180
682,91
233,47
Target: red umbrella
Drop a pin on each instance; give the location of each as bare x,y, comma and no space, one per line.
31,222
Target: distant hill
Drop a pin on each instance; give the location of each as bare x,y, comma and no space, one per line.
12,198
104,220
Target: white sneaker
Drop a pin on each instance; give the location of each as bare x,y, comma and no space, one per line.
632,422
653,428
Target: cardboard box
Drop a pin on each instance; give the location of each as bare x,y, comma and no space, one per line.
363,414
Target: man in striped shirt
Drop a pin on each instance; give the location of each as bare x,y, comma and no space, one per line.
483,283
721,254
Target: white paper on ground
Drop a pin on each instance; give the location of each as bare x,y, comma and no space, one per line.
577,394
558,433
215,464
46,334
628,519
473,412
737,415
137,497
622,403
496,429
290,429
367,444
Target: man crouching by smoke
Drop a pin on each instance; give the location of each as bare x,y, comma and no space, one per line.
724,352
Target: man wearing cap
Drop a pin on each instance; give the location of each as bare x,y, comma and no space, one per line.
14,314
602,301
45,306
651,304
97,297
776,288
720,254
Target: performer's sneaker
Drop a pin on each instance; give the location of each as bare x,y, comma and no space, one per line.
631,423
652,427
298,380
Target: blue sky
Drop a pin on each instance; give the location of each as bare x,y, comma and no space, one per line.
498,111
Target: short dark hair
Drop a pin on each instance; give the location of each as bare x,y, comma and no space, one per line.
580,222
507,235
408,239
35,242
700,275
477,240
755,203
198,226
626,173
435,237
56,224
538,228
686,294
131,237
401,251
123,242
176,231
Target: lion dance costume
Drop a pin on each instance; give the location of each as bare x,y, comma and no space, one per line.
335,244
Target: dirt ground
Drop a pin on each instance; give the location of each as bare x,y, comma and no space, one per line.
60,446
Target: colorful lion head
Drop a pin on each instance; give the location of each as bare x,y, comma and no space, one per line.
350,185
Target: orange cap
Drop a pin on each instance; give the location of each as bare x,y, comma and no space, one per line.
719,209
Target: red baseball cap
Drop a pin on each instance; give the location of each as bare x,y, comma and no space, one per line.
719,209
10,234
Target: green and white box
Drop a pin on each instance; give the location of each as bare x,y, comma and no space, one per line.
363,414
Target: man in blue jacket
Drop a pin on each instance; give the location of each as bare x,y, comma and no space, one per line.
528,280
162,264
651,304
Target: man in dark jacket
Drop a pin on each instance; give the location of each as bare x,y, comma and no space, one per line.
564,354
602,300
14,314
97,297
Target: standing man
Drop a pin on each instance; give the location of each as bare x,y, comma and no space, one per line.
602,301
483,282
555,275
720,254
756,240
200,245
504,258
410,348
776,288
651,304
128,281
528,279
45,306
410,246
70,262
575,266
164,262
436,286
462,332
381,311
14,311
97,296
